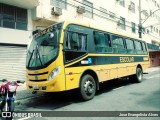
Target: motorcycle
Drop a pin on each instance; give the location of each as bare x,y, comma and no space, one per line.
7,93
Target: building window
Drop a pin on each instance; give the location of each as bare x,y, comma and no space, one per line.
122,3
154,29
153,42
21,18
103,12
133,27
151,28
131,7
150,12
59,3
0,14
8,16
157,30
111,15
155,3
89,8
13,17
122,23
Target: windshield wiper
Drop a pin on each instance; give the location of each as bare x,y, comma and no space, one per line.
37,53
30,58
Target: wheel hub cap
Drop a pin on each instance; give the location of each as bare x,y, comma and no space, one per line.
88,87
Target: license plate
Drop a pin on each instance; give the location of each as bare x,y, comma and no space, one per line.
35,87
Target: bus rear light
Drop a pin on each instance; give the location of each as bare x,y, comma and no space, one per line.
54,73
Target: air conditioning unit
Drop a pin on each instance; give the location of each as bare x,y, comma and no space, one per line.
130,7
81,9
56,11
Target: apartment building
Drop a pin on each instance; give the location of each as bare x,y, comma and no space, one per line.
118,15
15,32
18,18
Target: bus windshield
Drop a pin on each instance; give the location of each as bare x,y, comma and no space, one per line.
43,49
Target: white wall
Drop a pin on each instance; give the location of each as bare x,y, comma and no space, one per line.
14,36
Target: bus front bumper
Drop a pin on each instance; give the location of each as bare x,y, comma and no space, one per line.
55,85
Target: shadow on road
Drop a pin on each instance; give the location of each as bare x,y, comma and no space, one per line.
53,101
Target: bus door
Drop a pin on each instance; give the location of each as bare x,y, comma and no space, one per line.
75,49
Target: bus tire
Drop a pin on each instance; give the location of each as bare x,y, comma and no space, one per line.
138,77
87,88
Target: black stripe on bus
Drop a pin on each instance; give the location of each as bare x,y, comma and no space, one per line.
101,60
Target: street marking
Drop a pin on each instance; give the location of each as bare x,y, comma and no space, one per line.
24,118
118,88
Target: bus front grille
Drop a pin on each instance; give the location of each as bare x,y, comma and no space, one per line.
40,80
38,73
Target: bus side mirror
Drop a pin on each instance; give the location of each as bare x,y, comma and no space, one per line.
35,32
50,35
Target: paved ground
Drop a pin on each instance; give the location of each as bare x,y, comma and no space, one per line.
23,93
113,96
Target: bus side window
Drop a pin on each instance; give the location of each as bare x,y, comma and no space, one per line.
82,42
76,41
144,48
130,46
108,41
100,41
118,44
138,47
68,38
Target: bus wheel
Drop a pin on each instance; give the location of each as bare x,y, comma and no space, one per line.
87,88
138,77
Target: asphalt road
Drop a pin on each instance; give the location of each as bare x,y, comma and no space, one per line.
118,95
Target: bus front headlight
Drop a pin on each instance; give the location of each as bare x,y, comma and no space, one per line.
54,73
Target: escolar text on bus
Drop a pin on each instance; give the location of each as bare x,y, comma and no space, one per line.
126,59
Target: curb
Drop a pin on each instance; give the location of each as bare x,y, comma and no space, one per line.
152,69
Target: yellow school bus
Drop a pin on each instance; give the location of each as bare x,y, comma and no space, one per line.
73,55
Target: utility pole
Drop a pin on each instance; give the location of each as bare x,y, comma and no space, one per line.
140,21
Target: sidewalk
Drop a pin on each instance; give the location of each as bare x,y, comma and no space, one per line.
23,93
152,69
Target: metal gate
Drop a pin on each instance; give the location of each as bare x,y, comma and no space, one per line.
12,62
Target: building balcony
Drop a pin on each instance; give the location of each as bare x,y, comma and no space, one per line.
28,4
